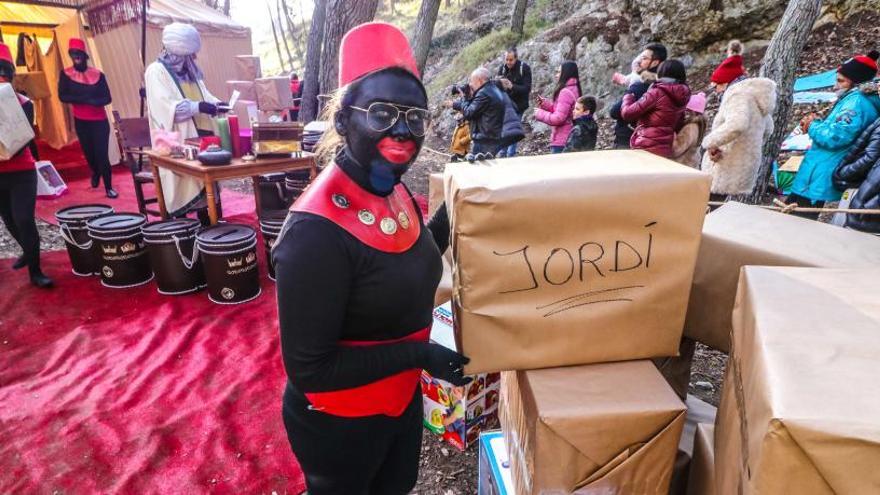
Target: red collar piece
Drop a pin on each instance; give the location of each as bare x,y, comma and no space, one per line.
389,224
89,77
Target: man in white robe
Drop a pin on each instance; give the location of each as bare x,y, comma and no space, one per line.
178,100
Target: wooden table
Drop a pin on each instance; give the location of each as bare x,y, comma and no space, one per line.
238,169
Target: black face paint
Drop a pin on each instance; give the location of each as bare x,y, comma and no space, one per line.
7,71
365,145
80,60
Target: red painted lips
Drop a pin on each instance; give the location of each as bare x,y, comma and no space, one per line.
396,152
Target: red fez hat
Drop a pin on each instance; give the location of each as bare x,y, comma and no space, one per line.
76,44
5,54
374,46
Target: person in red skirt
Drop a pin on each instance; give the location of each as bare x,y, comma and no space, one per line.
18,189
85,89
356,272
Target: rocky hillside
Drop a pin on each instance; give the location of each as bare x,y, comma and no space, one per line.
603,36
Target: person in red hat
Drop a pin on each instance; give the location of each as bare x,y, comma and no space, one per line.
85,89
356,272
731,70
18,188
835,135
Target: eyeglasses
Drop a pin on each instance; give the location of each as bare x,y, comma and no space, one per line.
382,116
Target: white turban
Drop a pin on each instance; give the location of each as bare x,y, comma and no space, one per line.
181,39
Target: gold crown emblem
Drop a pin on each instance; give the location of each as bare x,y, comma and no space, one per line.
250,258
111,249
235,262
128,247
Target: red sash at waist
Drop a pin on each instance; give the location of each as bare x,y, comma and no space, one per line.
389,396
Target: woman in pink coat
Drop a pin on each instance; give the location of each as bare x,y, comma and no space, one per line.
557,112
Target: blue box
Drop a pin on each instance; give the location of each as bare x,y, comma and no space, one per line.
494,468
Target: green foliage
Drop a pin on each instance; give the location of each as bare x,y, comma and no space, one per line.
472,56
535,23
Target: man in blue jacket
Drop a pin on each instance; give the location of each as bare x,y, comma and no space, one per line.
834,136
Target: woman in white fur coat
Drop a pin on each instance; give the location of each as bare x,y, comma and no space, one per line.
733,147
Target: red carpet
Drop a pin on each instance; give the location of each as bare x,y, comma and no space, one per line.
68,158
79,191
131,392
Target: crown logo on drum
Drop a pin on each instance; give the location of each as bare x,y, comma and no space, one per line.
128,247
234,263
250,258
108,249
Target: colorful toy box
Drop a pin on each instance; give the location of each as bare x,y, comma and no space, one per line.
458,414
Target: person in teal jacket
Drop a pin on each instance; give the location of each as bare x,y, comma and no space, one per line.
833,136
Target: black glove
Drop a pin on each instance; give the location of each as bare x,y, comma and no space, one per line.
207,108
223,107
446,364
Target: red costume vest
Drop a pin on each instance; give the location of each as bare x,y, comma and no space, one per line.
387,224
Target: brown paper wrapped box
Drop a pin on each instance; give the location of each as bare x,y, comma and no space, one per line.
572,259
273,93
800,411
435,192
736,235
247,89
701,480
247,67
599,428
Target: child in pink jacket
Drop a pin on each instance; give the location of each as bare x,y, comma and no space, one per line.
557,112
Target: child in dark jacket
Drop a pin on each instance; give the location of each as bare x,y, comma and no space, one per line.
585,130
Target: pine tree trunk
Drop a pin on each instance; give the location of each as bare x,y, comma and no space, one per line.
312,73
275,34
342,15
294,39
424,31
226,5
518,19
780,63
283,34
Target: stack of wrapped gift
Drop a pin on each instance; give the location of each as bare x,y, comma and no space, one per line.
570,272
800,410
247,70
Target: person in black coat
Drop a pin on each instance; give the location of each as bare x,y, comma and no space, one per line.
515,77
861,169
513,131
653,55
484,110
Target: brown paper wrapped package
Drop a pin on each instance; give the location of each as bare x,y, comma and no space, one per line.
241,110
273,93
701,480
435,192
247,67
800,411
247,89
600,428
435,199
573,258
736,235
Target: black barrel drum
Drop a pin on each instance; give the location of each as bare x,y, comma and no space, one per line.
271,229
229,255
296,182
171,245
274,196
84,256
124,261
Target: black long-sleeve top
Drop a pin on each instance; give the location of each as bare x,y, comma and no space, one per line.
332,287
70,91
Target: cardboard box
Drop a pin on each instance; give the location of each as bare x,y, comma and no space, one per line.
458,414
800,411
273,94
247,89
494,476
435,192
247,67
15,130
247,113
600,428
737,235
573,258
701,480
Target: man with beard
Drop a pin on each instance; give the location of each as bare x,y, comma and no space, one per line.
179,101
833,136
356,272
649,61
85,89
